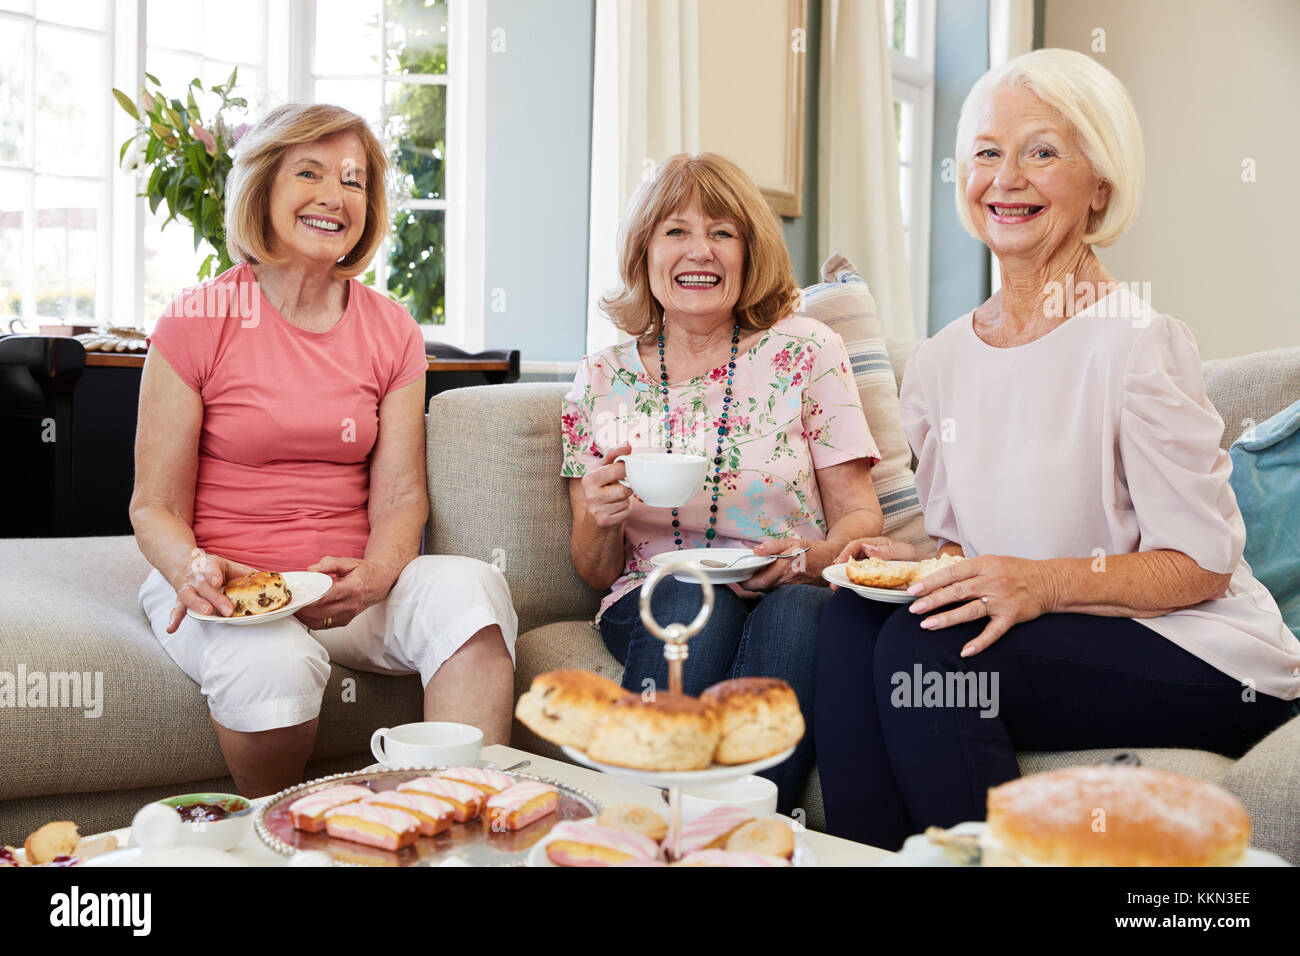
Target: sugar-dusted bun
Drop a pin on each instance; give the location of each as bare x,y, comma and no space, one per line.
258,593
769,837
52,840
564,706
878,573
1113,816
760,717
669,732
635,818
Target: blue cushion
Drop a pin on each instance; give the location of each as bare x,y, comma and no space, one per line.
1266,479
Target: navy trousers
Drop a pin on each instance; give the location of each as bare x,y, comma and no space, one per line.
909,734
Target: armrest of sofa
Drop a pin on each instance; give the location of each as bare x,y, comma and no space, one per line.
1267,781
495,493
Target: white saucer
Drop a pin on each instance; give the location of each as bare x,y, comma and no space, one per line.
837,575
307,587
692,556
803,854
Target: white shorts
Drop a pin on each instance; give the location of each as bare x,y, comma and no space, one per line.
273,675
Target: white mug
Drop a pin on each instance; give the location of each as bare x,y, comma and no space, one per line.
427,744
662,480
755,794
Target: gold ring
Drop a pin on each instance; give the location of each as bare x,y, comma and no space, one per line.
328,620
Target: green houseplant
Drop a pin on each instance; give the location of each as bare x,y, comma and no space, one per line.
188,161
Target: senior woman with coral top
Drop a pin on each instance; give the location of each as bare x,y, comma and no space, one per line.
720,365
281,428
1066,449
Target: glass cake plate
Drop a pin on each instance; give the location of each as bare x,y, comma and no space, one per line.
472,843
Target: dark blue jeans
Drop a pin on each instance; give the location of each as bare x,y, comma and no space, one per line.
771,636
897,753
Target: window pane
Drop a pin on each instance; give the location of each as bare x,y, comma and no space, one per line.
173,70
67,216
248,84
13,192
13,92
176,24
416,132
905,194
417,263
362,97
898,126
77,13
417,36
233,30
22,6
898,24
347,36
71,114
905,118
170,262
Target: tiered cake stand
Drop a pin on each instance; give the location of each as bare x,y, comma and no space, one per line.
675,637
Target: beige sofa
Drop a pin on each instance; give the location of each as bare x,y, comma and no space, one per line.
496,494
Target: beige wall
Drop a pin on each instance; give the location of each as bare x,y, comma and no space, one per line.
1214,83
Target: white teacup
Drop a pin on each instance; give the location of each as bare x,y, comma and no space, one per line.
662,480
755,794
427,744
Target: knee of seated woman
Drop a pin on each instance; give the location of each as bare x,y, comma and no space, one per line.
267,661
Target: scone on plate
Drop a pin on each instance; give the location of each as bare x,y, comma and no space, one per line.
760,718
258,593
564,706
878,573
667,733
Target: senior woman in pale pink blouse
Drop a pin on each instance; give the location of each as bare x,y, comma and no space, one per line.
1067,450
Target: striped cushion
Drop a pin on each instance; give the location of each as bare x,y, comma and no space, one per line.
844,303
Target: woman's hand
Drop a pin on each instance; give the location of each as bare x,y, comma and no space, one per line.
200,587
1005,590
886,549
803,569
358,584
607,502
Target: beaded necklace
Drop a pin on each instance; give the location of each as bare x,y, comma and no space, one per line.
711,531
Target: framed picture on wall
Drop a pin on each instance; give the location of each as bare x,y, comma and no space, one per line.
752,64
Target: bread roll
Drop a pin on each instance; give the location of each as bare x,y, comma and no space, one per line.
669,732
258,593
564,706
1113,816
760,717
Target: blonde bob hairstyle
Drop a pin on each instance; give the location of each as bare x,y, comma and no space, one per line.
1095,104
257,160
719,189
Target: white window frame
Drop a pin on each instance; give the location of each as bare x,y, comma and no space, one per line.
912,72
119,281
27,165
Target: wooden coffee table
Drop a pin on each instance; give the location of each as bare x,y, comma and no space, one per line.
829,850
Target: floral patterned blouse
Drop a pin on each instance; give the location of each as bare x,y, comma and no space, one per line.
794,409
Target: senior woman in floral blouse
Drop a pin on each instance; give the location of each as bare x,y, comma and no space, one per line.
721,365
1066,449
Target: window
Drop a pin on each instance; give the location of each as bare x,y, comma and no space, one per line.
55,168
77,243
911,32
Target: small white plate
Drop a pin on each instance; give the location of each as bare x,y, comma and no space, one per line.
668,778
803,854
693,556
919,851
837,575
307,587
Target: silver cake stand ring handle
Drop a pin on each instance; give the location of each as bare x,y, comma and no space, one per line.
676,634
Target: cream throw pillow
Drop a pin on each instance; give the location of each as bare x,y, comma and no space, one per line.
845,304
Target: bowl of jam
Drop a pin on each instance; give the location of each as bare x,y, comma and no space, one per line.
216,820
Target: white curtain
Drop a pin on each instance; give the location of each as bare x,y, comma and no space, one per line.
645,108
1011,33
858,206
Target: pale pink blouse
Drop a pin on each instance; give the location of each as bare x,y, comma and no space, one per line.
1095,439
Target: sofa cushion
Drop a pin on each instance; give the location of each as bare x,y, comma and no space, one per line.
495,493
1249,389
845,304
152,727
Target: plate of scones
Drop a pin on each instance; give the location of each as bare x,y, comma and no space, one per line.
885,581
269,595
734,728
421,817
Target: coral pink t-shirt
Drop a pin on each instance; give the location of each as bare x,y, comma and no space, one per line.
289,416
